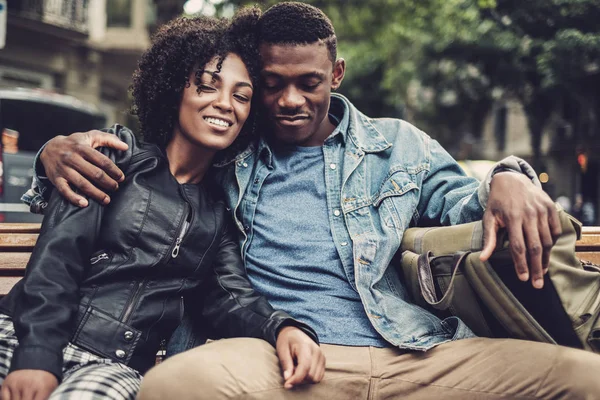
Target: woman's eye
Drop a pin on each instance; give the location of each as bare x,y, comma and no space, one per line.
241,97
206,88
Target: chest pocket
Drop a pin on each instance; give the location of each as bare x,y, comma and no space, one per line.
397,200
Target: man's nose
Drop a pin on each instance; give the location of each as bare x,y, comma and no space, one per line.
291,98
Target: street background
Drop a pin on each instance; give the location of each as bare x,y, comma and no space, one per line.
487,78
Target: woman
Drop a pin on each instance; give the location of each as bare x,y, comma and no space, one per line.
106,286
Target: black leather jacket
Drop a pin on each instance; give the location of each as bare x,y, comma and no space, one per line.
113,279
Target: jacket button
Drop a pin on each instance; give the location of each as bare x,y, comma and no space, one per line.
128,336
120,354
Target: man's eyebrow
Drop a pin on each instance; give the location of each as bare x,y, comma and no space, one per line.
308,75
215,75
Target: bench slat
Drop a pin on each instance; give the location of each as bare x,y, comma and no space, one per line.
17,241
13,263
10,227
590,256
7,283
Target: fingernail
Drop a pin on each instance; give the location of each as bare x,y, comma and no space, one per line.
82,203
106,200
121,178
116,186
286,375
524,276
538,283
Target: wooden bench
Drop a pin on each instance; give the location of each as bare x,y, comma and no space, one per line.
17,241
16,244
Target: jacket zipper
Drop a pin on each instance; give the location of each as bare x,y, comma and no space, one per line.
174,254
184,227
162,351
98,258
181,308
182,232
133,302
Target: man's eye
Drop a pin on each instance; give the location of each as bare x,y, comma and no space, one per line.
270,85
311,85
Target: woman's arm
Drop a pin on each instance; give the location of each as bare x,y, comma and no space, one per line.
231,306
43,316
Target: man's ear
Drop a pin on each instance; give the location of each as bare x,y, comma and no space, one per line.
339,69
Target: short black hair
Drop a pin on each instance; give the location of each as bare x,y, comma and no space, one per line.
177,48
297,23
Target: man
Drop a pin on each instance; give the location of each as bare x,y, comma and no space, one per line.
321,203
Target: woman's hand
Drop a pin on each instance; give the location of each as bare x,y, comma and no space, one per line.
28,384
301,359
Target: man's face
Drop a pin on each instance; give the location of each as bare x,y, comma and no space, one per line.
296,84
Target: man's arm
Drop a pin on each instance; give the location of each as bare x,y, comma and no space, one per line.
514,201
73,160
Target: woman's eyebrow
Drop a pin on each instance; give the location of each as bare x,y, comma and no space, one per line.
215,75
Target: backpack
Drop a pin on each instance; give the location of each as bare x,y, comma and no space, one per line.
443,273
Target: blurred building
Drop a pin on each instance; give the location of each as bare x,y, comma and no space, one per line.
569,164
84,48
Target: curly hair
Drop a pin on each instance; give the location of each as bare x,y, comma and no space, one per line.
297,24
177,48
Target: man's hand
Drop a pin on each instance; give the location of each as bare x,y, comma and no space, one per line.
28,384
531,220
72,159
301,359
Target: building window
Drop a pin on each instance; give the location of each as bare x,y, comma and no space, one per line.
118,13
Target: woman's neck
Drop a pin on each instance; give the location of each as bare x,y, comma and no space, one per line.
188,163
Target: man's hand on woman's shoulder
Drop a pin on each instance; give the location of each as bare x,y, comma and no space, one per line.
301,359
73,160
531,220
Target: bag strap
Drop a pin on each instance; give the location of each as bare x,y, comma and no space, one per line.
427,285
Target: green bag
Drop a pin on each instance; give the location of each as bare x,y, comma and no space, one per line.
443,273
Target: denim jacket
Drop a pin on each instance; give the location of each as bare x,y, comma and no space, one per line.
382,176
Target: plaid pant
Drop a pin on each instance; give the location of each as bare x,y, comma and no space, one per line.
85,375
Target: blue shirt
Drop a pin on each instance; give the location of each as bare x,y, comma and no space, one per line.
293,260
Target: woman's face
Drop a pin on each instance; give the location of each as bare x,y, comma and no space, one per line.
213,118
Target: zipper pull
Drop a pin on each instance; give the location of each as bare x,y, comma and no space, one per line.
175,251
162,352
98,258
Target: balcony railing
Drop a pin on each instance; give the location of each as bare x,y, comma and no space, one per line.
69,14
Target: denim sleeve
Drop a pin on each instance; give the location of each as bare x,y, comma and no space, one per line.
449,197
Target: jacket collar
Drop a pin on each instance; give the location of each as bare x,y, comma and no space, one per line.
361,132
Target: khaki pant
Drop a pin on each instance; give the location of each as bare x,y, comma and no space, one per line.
466,369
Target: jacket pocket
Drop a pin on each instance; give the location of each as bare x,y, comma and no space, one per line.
105,336
397,200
